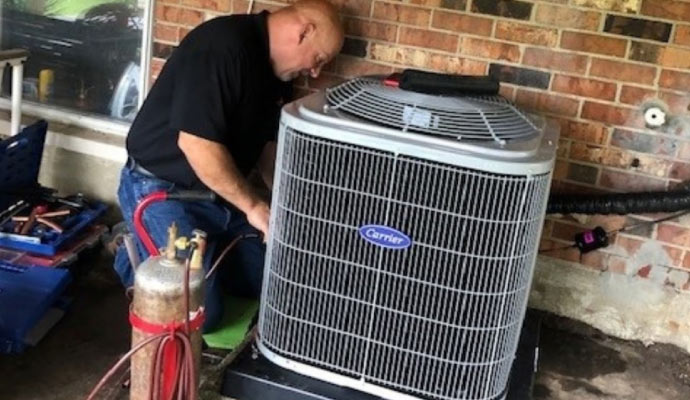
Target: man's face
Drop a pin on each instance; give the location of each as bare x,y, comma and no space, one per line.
306,59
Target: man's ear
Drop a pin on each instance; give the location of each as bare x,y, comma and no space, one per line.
307,31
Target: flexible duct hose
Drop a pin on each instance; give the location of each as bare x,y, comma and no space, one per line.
619,203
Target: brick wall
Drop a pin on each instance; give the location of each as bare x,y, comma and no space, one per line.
588,63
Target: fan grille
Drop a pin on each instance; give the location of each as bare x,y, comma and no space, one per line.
476,118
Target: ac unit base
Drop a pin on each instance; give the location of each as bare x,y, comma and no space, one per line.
252,377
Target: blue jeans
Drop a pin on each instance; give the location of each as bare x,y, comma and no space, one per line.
242,269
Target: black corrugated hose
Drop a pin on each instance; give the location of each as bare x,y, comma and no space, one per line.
620,203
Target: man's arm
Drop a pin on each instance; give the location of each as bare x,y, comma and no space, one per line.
214,165
267,163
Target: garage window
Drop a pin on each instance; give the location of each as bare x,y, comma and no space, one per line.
84,54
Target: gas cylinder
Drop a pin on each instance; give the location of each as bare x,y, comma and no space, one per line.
159,302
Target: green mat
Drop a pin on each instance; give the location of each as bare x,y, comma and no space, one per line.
233,328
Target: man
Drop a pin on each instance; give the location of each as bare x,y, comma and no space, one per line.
211,116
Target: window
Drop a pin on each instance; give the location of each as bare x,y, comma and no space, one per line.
84,54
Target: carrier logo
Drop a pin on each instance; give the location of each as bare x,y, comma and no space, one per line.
385,237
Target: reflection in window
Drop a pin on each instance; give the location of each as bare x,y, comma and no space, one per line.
84,53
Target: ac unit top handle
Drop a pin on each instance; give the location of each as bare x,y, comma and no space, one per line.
443,84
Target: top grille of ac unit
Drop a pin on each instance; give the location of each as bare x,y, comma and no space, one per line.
482,118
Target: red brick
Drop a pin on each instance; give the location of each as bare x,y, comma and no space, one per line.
271,7
490,49
563,148
240,6
554,60
156,67
675,57
608,222
355,66
411,57
670,9
594,43
675,80
167,13
622,71
191,17
566,231
684,152
644,143
595,259
625,182
456,65
630,245
611,157
559,250
428,39
584,87
673,234
635,95
361,8
370,29
462,23
560,170
686,260
523,33
611,114
680,170
682,35
629,6
577,188
617,265
675,254
182,33
166,33
324,81
210,5
677,104
590,132
567,17
402,13
507,91
546,102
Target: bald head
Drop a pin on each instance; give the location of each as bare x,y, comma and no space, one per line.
303,37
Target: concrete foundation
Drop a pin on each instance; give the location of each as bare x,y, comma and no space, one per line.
628,307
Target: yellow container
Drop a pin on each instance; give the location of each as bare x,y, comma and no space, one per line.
46,79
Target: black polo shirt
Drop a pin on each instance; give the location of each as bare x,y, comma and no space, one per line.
219,85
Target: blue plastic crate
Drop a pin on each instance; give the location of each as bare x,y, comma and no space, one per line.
26,293
51,242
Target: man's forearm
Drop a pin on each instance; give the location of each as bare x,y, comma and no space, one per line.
215,167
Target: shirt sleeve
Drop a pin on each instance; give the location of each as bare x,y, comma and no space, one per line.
206,89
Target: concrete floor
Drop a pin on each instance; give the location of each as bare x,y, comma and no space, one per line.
576,362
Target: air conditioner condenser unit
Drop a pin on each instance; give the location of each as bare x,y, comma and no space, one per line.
404,232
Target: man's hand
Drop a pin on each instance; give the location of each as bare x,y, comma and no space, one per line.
258,216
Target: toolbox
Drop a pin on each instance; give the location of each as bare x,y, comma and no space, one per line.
21,196
26,295
39,232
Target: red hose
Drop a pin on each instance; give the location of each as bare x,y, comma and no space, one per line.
139,221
